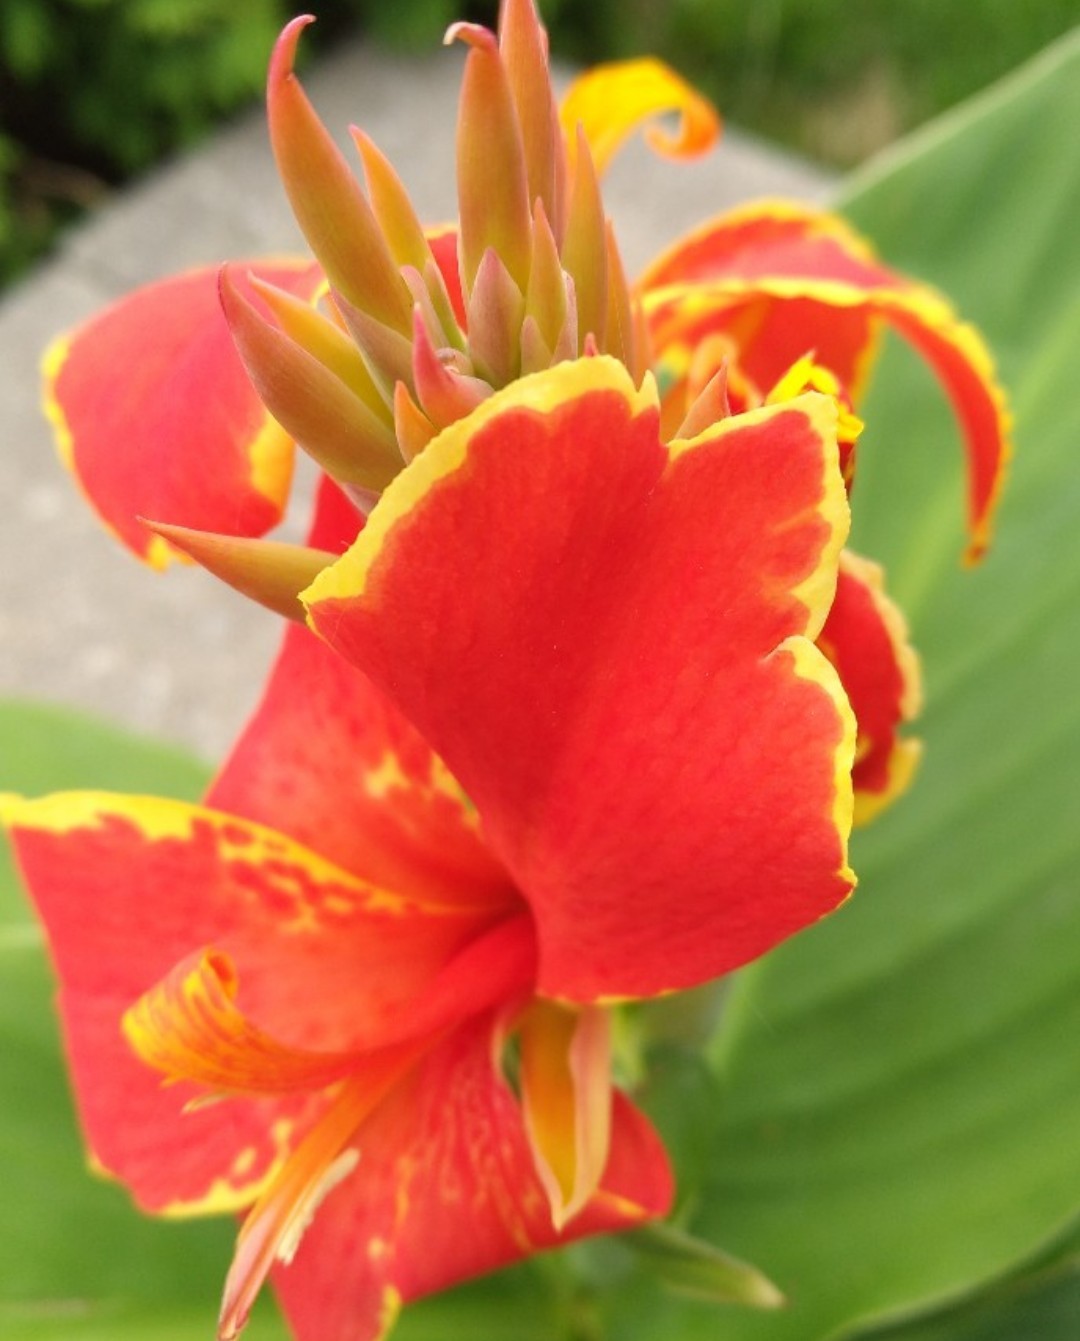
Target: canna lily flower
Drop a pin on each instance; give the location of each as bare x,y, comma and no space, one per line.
326,961
566,715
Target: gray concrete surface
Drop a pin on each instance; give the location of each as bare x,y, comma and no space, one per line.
176,655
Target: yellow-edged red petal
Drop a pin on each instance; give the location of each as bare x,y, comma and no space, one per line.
155,417
444,1189
785,279
127,886
866,639
611,101
628,688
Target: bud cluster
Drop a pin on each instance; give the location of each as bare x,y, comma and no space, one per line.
415,328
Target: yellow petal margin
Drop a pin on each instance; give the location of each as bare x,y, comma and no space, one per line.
611,101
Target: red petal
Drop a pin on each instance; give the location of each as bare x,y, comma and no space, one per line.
155,416
445,1190
128,886
865,637
443,242
329,760
625,689
786,279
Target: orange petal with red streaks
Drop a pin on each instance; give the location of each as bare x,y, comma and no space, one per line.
448,1143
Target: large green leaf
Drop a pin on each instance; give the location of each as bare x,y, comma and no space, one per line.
897,1092
1042,1307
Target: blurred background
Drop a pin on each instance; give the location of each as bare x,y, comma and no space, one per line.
93,92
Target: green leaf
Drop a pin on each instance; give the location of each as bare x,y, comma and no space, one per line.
1043,1306
896,1093
691,1267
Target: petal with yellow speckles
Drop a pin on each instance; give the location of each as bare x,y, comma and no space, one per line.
330,760
127,886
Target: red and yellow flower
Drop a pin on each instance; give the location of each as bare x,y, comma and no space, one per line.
582,712
342,937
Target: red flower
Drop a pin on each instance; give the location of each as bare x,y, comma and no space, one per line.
657,791
577,726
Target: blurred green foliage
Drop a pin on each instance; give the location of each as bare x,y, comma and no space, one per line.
93,91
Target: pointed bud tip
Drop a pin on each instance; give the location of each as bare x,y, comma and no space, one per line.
474,35
283,57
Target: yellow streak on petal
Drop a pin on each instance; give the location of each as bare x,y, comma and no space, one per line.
278,1220
903,763
271,454
542,393
389,1311
237,1190
52,361
611,101
566,1101
811,664
157,818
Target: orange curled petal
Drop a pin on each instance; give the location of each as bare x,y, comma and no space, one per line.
155,416
611,101
189,1027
